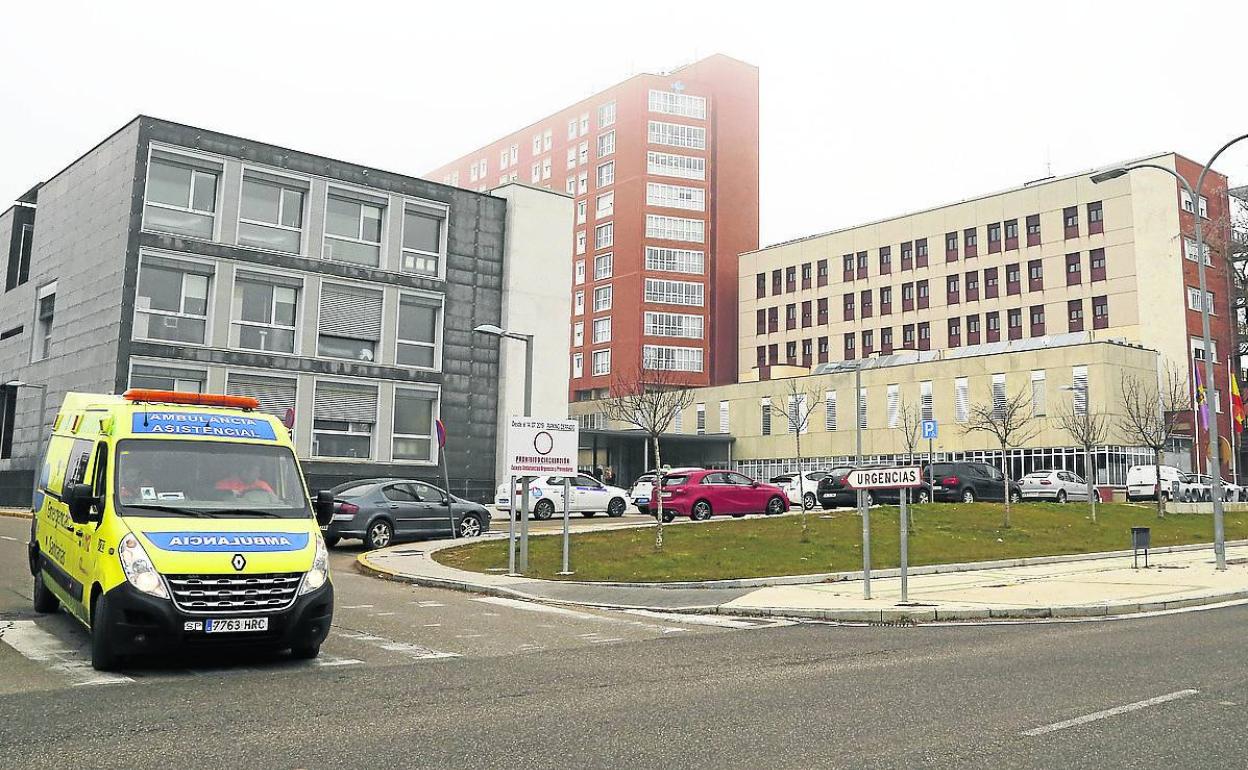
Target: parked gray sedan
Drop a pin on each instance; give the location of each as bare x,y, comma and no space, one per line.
383,511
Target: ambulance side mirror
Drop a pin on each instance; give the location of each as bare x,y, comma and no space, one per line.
80,498
324,507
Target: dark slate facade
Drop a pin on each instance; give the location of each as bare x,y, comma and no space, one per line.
91,242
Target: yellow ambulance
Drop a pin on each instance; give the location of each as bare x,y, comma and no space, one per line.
179,520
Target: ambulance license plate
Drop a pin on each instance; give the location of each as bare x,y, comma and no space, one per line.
235,625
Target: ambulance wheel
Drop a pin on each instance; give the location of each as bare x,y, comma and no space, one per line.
45,601
305,651
331,540
102,656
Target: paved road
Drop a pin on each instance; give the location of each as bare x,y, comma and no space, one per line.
447,681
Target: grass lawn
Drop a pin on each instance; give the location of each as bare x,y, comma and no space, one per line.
762,547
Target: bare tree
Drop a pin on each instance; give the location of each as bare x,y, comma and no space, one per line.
649,401
797,407
1089,428
1152,413
910,426
1010,422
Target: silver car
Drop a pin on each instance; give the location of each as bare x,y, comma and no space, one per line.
1058,486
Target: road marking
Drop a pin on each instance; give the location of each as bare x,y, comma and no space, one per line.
721,621
33,643
433,625
413,651
382,614
517,604
429,604
6,537
604,641
357,606
1083,720
326,661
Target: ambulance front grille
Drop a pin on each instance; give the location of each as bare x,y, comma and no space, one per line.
207,594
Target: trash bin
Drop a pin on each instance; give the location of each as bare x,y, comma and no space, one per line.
1141,540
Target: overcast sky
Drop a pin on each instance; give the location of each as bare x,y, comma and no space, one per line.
868,110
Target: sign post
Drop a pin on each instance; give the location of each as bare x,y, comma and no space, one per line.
889,478
539,447
931,432
567,508
446,476
511,528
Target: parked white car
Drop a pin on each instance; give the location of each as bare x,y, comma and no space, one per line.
788,482
1199,488
589,496
1058,486
642,491
1142,482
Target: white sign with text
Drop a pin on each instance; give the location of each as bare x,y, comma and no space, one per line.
885,478
538,447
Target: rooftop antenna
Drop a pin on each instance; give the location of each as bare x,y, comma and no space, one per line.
1048,160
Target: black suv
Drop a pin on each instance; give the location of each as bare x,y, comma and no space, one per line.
966,482
833,492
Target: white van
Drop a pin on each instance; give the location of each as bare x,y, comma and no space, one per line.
1142,482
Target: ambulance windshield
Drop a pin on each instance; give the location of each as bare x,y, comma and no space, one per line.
208,479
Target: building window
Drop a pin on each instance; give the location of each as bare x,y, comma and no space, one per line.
922,292
1035,275
1070,220
990,283
606,174
886,300
582,212
350,322
823,350
265,311
422,242
760,280
926,402
961,399
907,297
21,244
972,330
925,335
582,181
1011,234
1197,346
807,278
419,323
1096,218
606,144
951,247
604,235
682,166
1037,320
677,135
907,256
862,408
1033,230
886,340
790,316
602,299
847,267
684,105
821,306
766,415
674,359
821,273
154,377
865,302
270,215
602,330
580,241
601,362
605,205
1014,317
972,286
578,365
582,152
723,416
1012,279
893,403
578,303
578,272
683,325
955,332
777,282
1096,258
994,238
675,228
181,196
1193,300
700,425
606,115
413,438
999,397
847,303
790,279
829,410
773,320
603,266
1189,251
952,295
675,196
848,346
172,301
343,416
886,260
1074,315
1100,312
907,336
993,322
578,334
806,314
1079,379
353,231
277,395
970,241
862,264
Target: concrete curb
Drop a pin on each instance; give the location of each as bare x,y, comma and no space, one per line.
890,616
15,514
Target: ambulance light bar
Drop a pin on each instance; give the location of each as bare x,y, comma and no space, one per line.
193,399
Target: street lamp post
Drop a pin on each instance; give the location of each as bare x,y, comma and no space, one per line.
527,339
862,498
1219,533
1088,470
43,404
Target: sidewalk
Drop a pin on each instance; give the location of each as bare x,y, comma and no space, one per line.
1096,585
15,513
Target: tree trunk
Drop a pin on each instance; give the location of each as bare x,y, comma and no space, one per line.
658,496
801,482
1005,482
1161,508
1091,472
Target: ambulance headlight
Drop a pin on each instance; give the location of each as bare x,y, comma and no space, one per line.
138,568
319,574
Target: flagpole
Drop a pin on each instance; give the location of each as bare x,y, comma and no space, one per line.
1232,384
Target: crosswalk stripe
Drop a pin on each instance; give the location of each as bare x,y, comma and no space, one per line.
413,651
35,644
721,621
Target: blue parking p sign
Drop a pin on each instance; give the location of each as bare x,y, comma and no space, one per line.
929,429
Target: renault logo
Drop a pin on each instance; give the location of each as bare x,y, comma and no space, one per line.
238,562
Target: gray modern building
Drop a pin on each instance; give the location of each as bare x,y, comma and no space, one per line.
177,258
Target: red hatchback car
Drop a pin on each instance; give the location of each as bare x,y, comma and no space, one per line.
702,494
